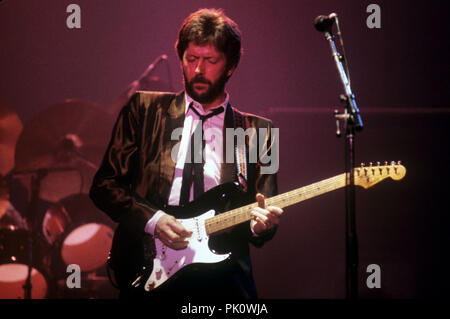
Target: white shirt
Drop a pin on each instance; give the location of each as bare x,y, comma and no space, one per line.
213,135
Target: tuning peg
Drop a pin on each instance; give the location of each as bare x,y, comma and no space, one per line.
385,163
365,169
396,166
373,169
399,162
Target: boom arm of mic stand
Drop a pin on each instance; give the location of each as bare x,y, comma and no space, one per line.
351,103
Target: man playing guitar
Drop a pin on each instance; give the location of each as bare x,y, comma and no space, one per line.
146,174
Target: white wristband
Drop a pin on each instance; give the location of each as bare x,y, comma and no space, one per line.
151,224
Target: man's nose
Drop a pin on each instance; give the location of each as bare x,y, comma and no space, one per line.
200,68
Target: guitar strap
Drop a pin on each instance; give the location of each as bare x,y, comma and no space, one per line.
241,121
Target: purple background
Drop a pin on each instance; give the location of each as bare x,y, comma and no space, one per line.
399,73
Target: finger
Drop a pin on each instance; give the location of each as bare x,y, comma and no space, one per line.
260,216
273,221
178,245
277,211
264,217
172,240
270,218
258,225
264,224
178,228
261,200
261,210
172,236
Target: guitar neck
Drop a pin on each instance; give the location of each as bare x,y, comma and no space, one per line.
240,215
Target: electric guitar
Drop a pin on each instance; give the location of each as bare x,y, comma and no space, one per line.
157,263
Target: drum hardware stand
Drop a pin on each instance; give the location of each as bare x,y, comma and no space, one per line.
69,146
31,220
37,176
352,123
85,160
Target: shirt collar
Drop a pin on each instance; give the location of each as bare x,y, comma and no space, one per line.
188,100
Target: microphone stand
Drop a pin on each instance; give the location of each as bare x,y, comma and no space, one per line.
352,122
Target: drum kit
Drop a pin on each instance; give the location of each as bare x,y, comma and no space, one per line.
53,158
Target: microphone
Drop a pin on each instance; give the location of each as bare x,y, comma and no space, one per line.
324,23
150,68
142,83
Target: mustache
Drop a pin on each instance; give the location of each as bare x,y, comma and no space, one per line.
200,79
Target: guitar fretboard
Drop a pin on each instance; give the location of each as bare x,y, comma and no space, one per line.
240,215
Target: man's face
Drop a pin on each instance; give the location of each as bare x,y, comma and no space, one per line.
205,72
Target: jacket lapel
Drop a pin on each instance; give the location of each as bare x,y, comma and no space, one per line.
173,120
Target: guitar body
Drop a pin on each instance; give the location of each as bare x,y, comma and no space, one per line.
146,263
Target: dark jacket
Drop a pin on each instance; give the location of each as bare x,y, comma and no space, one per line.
137,172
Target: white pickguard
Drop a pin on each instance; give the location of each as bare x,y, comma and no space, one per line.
169,261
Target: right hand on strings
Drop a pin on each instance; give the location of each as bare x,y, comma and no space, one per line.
172,233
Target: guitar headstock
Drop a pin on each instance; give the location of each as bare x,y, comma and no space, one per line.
367,176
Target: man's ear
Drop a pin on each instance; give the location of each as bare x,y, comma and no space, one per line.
230,71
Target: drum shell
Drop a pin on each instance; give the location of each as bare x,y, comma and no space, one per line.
74,214
14,249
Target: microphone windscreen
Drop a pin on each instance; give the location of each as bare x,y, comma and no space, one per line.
323,23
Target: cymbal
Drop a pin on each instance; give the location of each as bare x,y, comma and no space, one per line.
66,143
10,129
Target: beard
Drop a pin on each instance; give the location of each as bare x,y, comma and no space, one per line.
214,90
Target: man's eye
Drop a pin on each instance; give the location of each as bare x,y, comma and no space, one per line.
212,61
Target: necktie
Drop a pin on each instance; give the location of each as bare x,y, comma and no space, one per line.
193,165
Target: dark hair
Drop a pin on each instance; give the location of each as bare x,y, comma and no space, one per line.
211,26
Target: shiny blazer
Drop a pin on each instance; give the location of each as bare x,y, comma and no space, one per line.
137,170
